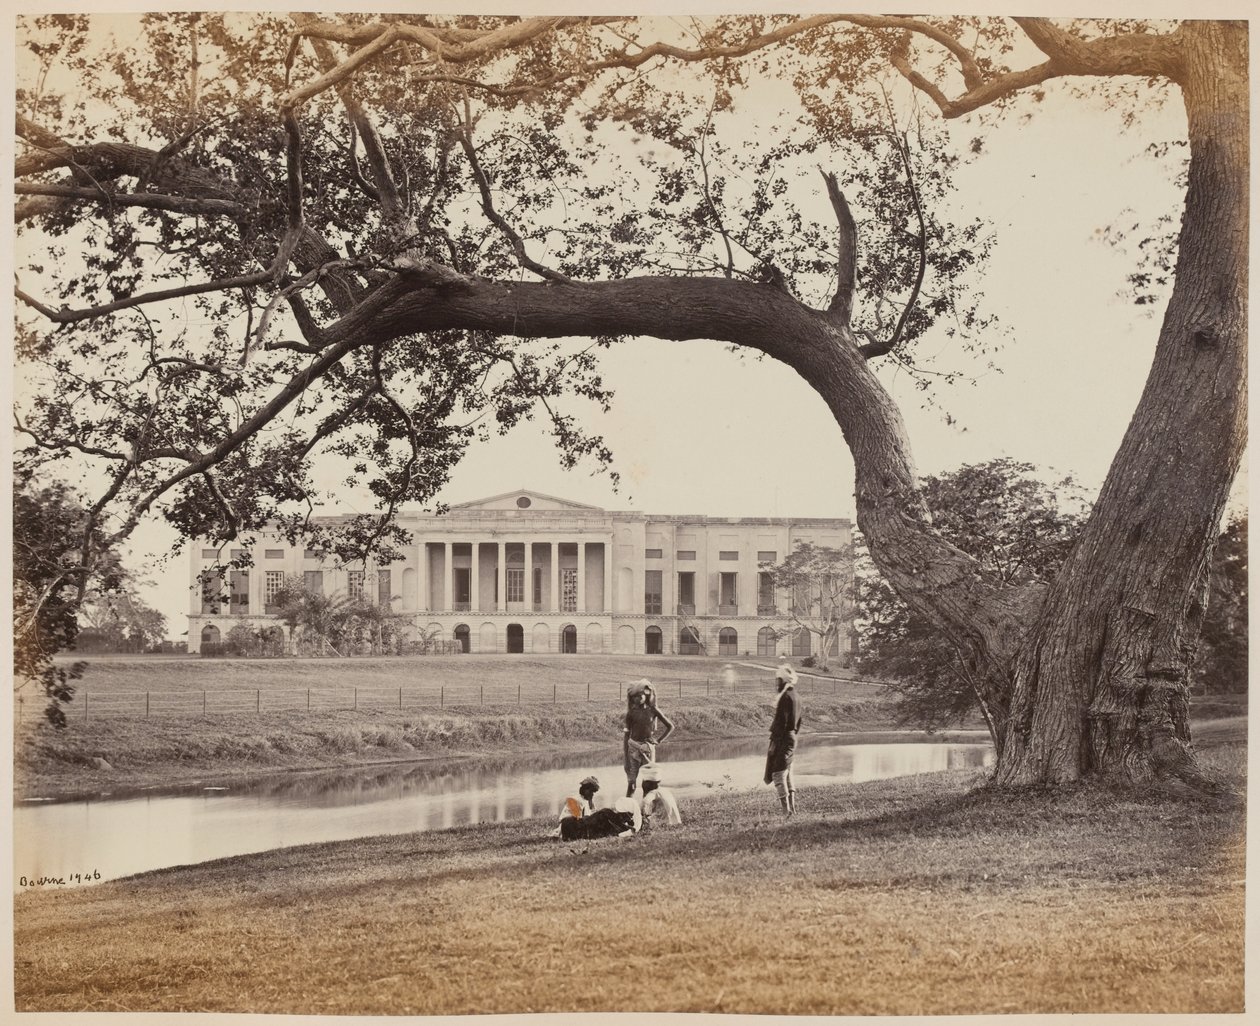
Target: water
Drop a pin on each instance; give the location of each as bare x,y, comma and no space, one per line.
104,838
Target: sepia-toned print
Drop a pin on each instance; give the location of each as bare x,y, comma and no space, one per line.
585,512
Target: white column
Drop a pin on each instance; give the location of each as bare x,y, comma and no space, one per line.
555,577
448,570
581,577
529,575
500,549
608,576
422,600
474,577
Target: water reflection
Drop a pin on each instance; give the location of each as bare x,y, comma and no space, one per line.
118,837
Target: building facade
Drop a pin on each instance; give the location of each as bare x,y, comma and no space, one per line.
531,573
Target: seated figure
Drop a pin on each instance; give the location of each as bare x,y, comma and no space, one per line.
660,807
580,820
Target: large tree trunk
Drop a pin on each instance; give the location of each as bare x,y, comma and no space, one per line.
1102,683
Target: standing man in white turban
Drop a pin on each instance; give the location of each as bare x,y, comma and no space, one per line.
783,730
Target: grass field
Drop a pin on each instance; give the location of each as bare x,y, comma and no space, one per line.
130,673
923,895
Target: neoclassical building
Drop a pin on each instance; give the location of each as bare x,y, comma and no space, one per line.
525,572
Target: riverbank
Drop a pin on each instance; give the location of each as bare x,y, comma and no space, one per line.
123,753
922,895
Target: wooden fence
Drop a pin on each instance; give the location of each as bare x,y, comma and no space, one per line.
89,704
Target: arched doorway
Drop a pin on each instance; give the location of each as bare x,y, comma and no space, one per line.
766,642
461,637
652,641
728,642
688,641
568,638
515,638
210,638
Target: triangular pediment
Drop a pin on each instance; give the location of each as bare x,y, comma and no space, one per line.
522,499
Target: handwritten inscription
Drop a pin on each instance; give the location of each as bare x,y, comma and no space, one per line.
69,880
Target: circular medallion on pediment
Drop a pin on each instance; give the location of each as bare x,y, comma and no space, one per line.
524,502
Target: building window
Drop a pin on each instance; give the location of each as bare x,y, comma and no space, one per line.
653,553
729,556
209,553
274,554
686,554
538,579
238,553
652,591
728,594
515,583
354,585
687,592
272,583
239,597
212,598
311,553
313,582
767,556
384,589
765,594
568,590
461,577
728,642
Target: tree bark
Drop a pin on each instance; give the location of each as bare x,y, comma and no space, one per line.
1102,687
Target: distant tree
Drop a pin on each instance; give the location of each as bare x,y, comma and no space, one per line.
288,604
382,627
312,617
123,619
1221,664
59,553
819,582
1019,530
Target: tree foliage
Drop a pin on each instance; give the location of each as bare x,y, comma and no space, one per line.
120,618
818,581
1022,528
338,624
51,575
1222,659
1019,528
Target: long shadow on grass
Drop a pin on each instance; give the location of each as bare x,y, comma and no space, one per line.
840,817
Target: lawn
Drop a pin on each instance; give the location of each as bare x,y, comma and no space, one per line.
924,895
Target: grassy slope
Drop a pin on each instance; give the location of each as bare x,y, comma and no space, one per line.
910,896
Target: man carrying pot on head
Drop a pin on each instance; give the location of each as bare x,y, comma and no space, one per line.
639,738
